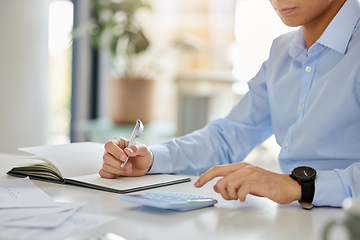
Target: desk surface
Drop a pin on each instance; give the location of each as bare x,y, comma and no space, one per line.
256,219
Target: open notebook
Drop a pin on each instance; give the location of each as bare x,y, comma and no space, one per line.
78,164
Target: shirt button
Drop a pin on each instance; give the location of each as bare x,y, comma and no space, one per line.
300,108
286,144
308,69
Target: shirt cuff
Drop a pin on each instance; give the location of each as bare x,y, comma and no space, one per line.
329,190
161,162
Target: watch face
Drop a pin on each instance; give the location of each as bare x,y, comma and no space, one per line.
304,173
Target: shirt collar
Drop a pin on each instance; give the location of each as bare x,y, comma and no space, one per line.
297,46
337,35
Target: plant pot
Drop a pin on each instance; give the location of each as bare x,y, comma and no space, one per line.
131,99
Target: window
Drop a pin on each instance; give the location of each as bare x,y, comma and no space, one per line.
60,51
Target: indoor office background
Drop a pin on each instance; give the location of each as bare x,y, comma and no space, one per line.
55,90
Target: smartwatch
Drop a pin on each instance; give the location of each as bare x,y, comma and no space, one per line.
305,176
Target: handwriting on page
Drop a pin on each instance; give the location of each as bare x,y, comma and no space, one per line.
22,192
8,194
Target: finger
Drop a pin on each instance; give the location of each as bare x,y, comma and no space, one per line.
109,159
220,187
105,174
244,191
232,187
115,147
209,175
137,149
120,141
228,187
141,157
113,165
216,188
131,151
218,171
126,171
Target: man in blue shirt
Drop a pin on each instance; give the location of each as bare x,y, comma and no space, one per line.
307,94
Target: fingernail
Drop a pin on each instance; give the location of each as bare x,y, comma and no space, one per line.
130,150
197,184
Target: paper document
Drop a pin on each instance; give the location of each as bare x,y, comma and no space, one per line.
38,217
26,212
76,224
21,193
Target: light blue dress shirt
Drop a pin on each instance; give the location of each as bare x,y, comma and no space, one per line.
310,101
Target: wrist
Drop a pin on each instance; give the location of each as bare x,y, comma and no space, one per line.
151,160
295,189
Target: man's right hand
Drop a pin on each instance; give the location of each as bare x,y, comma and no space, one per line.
117,151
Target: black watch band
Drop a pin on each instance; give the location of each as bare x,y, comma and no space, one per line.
305,176
307,191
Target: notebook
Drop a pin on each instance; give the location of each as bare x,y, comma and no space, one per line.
78,164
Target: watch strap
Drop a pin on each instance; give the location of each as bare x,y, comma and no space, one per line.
306,205
305,176
307,194
307,191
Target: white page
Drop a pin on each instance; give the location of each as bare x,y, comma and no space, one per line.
38,217
74,159
123,183
44,221
74,225
21,193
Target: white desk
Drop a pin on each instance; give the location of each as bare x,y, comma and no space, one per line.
256,219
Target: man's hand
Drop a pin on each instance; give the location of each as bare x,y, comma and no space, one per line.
241,179
116,152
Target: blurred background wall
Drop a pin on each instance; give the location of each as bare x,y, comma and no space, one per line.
24,73
54,89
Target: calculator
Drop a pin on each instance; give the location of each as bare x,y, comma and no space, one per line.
170,200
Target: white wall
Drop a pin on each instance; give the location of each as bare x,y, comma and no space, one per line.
23,73
256,26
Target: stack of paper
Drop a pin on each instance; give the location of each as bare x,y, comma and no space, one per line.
26,212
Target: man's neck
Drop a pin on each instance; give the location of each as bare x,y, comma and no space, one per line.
313,30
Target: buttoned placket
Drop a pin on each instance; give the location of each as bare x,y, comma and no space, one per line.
307,76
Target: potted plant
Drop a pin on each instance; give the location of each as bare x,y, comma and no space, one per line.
114,28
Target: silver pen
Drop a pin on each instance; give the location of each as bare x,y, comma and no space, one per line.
138,129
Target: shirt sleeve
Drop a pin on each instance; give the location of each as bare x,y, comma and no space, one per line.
332,187
222,141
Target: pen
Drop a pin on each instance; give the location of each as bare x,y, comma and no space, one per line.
138,129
